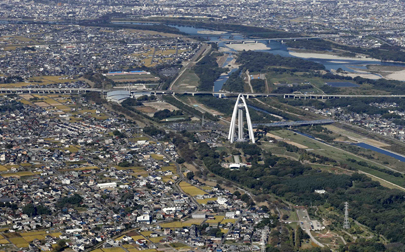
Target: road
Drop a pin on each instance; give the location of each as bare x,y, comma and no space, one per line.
181,176
220,94
204,50
305,224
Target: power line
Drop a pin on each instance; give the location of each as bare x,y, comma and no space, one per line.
346,224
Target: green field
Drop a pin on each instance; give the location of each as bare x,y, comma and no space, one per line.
338,155
189,81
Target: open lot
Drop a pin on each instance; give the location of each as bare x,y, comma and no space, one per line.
189,81
161,106
133,78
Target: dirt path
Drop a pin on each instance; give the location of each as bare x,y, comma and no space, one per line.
92,84
386,181
248,81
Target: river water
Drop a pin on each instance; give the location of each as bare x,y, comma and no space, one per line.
363,145
329,61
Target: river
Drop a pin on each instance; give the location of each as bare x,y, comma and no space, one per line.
397,156
278,48
331,62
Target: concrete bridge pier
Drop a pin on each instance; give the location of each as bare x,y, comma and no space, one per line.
192,94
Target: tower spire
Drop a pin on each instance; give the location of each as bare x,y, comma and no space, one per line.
240,105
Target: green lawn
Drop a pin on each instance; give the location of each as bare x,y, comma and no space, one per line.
338,154
187,82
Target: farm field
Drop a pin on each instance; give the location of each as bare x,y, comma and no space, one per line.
204,201
38,80
179,224
217,219
191,190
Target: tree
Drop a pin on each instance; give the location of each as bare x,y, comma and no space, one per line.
29,210
190,175
33,210
180,160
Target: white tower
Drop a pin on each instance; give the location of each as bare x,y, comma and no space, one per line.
238,112
346,224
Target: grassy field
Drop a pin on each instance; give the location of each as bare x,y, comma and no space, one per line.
179,224
224,230
191,190
133,78
73,149
224,221
171,168
33,237
189,81
19,242
178,245
206,188
280,151
218,218
157,156
137,237
338,154
87,168
3,241
204,201
20,174
156,239
39,80
114,249
274,79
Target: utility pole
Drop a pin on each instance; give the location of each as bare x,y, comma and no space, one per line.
346,224
177,48
202,121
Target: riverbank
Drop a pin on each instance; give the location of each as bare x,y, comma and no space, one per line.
211,32
362,74
248,47
398,75
307,55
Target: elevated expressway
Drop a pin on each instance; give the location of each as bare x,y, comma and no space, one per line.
159,92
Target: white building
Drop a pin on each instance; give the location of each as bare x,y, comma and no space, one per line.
144,218
221,200
320,191
230,215
198,216
107,185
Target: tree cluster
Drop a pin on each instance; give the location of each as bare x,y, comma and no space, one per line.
208,72
259,61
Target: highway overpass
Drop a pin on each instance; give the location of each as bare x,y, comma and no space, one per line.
295,123
49,90
262,40
159,92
